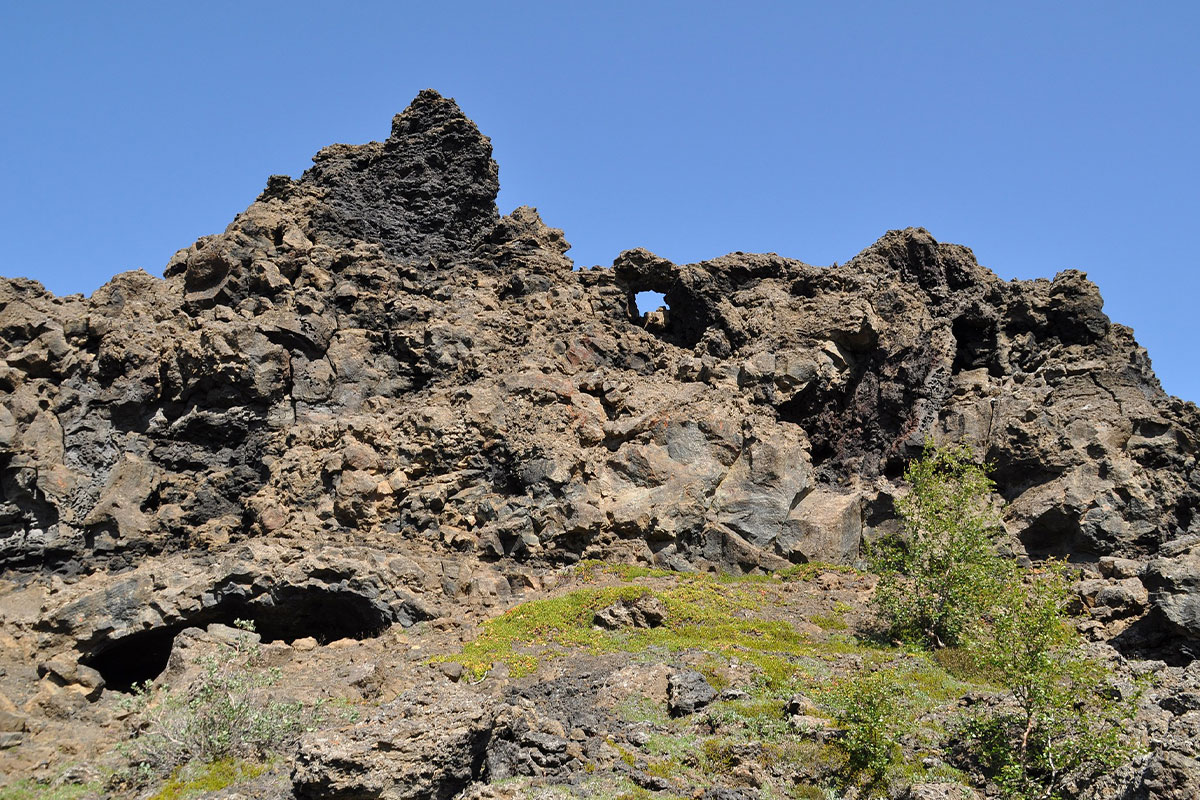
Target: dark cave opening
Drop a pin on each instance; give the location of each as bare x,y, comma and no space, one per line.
286,614
976,339
134,659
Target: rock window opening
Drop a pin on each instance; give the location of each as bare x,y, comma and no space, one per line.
654,313
287,614
649,301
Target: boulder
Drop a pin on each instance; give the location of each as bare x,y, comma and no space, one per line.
687,692
428,744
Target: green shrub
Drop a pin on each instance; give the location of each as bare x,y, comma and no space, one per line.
1063,719
1059,720
869,711
223,715
939,575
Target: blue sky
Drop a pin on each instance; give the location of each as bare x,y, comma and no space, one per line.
1042,135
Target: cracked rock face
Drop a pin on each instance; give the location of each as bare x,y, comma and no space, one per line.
372,385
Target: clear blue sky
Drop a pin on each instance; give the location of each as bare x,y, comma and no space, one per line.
1043,135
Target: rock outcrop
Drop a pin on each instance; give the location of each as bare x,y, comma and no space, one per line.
372,387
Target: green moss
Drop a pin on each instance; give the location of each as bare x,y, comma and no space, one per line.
713,615
668,768
829,622
627,756
718,756
590,570
702,613
33,790
524,635
194,780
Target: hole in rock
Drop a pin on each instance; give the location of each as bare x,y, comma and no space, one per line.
976,345
682,318
649,301
286,614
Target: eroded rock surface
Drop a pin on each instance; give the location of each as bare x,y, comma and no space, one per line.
371,392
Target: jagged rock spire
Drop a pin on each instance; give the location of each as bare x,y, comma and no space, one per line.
429,188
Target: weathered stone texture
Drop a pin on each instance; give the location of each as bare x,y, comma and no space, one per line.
375,379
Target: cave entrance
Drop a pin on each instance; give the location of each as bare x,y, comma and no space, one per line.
284,615
134,659
976,344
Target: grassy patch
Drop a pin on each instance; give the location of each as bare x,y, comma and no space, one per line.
194,780
676,747
759,719
637,708
709,614
703,613
728,624
33,790
829,622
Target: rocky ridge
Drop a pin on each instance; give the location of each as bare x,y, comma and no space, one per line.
372,401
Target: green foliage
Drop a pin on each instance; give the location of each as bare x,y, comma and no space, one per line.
224,715
939,576
829,622
203,778
762,720
1059,719
869,710
29,789
1064,720
702,613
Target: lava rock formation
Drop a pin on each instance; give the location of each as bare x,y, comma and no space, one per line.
372,387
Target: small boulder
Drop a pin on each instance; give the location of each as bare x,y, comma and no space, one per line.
12,721
646,611
800,705
688,692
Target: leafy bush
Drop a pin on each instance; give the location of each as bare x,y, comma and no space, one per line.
224,714
869,711
1064,720
1060,720
939,575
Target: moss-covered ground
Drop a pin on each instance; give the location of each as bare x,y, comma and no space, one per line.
197,780
802,632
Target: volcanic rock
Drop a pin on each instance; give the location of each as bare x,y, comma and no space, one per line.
373,401
688,692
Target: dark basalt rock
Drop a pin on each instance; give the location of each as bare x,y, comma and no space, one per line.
429,190
688,692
